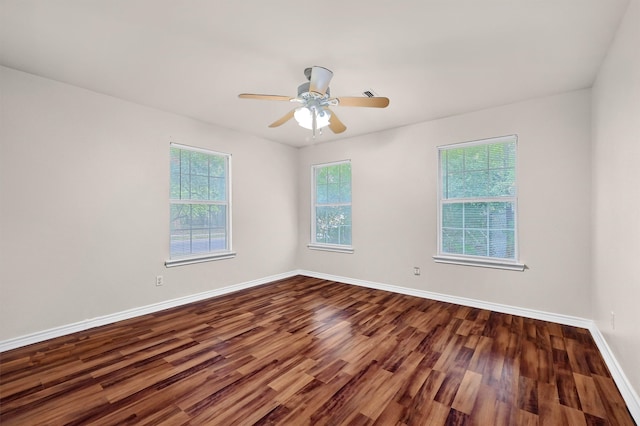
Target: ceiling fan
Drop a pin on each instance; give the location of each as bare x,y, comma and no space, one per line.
315,99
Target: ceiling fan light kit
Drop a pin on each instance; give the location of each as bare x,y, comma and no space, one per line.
305,117
315,99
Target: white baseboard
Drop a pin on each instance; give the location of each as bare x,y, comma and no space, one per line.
51,333
474,303
626,390
628,393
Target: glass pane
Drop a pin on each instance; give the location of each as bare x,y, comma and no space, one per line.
488,229
478,171
217,189
454,160
180,243
510,178
452,215
444,181
218,228
199,216
476,158
475,242
333,225
345,172
345,234
333,192
345,191
180,217
174,167
185,186
509,155
321,175
475,215
217,166
476,184
454,186
199,187
499,185
452,241
175,184
333,174
501,216
199,164
502,182
502,244
174,154
180,230
333,184
199,240
185,162
502,155
197,229
322,194
198,176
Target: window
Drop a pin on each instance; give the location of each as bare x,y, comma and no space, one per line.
200,208
331,207
477,204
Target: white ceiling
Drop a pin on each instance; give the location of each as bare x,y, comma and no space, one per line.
193,57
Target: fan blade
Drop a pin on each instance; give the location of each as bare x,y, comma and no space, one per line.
320,78
264,97
335,124
288,116
376,102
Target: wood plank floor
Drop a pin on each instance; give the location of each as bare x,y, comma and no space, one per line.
308,351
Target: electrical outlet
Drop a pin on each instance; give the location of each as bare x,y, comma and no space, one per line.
159,280
416,271
613,320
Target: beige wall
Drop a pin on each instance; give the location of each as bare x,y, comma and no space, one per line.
616,195
395,215
84,206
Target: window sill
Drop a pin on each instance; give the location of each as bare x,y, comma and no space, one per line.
331,247
484,263
199,259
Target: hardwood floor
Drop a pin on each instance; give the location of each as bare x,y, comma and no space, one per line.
307,351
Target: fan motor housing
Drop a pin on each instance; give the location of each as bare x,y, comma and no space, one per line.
304,89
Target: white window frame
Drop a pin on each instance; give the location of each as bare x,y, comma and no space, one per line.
314,245
481,261
227,252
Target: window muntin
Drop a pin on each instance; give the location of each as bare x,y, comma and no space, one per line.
199,202
477,205
331,209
